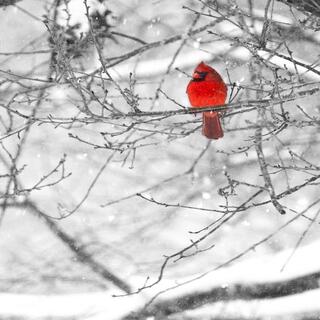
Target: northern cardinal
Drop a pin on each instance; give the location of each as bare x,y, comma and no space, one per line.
207,89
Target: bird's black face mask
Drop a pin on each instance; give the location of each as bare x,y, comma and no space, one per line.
199,76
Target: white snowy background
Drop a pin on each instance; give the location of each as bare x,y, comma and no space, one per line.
40,277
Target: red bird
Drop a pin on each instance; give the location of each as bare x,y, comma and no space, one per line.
207,89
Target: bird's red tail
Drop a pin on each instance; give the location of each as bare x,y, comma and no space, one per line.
211,127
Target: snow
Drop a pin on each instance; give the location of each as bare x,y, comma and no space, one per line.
85,306
77,12
266,269
96,306
305,304
291,66
206,195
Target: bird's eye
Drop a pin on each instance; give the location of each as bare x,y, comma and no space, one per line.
198,76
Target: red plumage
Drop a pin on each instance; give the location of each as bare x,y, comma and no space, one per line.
207,89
